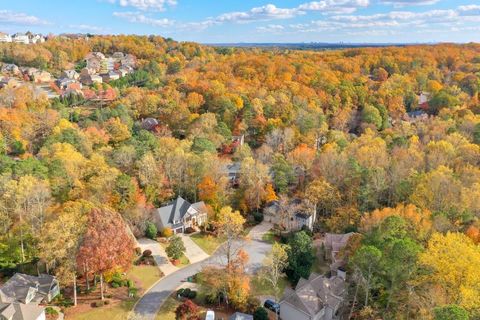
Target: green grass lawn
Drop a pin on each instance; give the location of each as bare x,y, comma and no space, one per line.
116,312
269,236
208,243
144,277
259,287
167,310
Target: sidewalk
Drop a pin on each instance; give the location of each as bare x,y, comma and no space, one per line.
158,254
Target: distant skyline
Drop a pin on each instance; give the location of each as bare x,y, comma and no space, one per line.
229,21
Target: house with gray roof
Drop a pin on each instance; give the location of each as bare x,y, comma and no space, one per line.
21,311
23,288
240,316
180,214
318,298
334,244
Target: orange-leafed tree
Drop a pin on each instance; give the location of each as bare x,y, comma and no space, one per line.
106,244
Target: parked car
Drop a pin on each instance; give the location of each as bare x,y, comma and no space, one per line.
210,315
272,306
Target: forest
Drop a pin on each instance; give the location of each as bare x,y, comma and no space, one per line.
345,130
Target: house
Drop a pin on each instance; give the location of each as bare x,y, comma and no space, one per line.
20,38
291,216
65,83
88,77
9,82
36,38
423,99
149,124
240,316
21,311
10,68
238,141
110,76
318,298
26,289
70,74
41,76
180,214
129,60
303,219
232,170
334,244
5,37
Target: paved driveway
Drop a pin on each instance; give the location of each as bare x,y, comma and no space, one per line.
158,254
148,306
193,252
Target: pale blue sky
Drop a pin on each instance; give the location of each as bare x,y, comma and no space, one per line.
211,21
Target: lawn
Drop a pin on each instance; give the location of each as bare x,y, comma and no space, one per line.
207,242
262,288
143,276
269,236
167,310
320,266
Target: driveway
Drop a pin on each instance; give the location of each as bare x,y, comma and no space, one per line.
149,304
193,252
158,254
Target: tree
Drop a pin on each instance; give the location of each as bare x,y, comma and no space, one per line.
274,265
106,244
230,226
151,231
300,257
450,312
452,261
366,262
176,248
188,310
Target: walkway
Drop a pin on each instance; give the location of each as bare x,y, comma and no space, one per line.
148,306
158,254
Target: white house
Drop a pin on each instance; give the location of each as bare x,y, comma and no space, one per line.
20,38
5,37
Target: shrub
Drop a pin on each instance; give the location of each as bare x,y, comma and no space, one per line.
189,230
260,314
167,232
129,283
450,312
138,251
151,231
211,298
51,311
187,310
252,304
147,253
106,302
180,292
98,304
192,295
258,216
132,292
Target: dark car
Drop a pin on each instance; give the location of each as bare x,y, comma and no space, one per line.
271,305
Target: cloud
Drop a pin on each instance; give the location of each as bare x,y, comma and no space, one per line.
144,5
334,6
267,12
18,18
404,3
86,28
137,17
271,28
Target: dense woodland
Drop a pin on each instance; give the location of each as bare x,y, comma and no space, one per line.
328,127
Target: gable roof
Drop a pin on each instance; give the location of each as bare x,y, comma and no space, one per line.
312,295
18,287
20,311
177,209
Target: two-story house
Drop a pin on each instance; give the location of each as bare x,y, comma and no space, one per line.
180,214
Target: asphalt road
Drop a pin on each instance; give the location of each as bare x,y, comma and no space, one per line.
149,304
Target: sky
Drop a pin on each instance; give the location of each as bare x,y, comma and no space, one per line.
265,21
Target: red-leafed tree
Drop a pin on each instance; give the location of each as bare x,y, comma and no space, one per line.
106,244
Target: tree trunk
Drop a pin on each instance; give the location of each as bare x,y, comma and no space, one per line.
74,289
353,302
101,285
86,277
